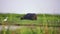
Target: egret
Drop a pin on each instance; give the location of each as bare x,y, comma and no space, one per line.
4,27
5,19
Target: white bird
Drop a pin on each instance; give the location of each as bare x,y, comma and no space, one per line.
6,19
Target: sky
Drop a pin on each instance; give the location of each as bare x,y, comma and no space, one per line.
30,6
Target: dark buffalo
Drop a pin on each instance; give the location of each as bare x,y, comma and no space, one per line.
29,16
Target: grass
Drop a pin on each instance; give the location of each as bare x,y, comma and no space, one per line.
44,19
15,18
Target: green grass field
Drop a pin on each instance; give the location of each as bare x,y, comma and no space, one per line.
43,19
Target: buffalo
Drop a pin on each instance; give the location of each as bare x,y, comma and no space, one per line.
29,16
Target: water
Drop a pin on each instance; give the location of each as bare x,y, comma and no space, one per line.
10,27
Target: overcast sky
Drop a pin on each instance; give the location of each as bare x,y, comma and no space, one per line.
30,6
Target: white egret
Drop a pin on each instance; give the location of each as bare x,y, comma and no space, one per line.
5,19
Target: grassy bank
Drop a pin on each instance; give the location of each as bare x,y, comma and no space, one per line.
43,19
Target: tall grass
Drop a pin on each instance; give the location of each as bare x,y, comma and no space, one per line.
42,19
34,30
